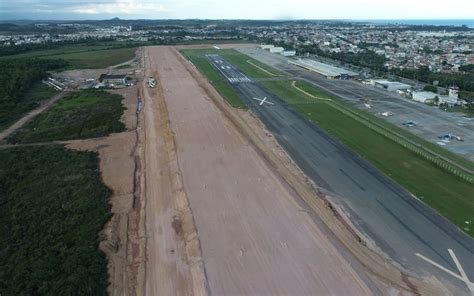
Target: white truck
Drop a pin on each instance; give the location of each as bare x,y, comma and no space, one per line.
151,82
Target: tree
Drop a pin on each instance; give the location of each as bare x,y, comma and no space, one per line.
431,88
467,68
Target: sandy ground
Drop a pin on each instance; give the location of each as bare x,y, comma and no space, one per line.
174,265
78,78
255,238
121,238
195,200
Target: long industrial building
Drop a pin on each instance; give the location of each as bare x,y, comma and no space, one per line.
390,85
329,71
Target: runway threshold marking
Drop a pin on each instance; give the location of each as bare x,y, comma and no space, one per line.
263,101
462,274
215,63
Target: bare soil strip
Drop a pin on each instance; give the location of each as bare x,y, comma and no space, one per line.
120,166
174,265
256,238
392,278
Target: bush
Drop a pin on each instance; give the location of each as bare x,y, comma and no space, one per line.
85,114
431,88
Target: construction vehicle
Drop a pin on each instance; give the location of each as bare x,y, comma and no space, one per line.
151,82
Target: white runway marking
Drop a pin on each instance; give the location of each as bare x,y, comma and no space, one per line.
463,276
263,101
458,265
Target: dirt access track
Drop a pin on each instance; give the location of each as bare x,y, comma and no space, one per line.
219,219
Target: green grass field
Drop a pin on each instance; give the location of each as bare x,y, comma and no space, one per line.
85,114
441,151
97,59
53,205
82,56
73,48
198,58
447,193
237,59
450,195
12,109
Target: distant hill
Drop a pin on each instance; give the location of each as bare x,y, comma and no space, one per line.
8,27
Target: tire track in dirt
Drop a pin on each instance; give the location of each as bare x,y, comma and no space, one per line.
378,266
174,264
256,239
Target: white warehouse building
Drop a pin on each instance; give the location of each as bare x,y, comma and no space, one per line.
288,53
329,71
423,96
276,49
390,85
266,46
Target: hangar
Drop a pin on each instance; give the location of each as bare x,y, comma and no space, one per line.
113,79
329,71
390,85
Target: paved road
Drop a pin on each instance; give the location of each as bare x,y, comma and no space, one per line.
432,122
398,224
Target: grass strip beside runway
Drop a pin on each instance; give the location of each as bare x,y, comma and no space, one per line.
199,59
447,193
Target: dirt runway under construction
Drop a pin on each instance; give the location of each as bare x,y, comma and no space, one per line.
253,236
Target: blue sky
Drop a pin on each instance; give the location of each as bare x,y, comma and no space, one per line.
237,9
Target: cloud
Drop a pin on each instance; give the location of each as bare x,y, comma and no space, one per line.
122,7
241,9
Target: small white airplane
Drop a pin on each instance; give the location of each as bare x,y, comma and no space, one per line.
367,106
388,113
263,101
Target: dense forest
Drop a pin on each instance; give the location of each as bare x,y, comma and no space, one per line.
17,76
467,68
52,206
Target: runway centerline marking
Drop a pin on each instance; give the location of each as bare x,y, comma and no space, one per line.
463,276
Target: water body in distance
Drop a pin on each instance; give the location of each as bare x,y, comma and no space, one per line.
435,22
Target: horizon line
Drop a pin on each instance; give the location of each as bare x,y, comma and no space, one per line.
243,19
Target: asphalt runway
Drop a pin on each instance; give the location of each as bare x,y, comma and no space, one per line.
431,121
397,223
